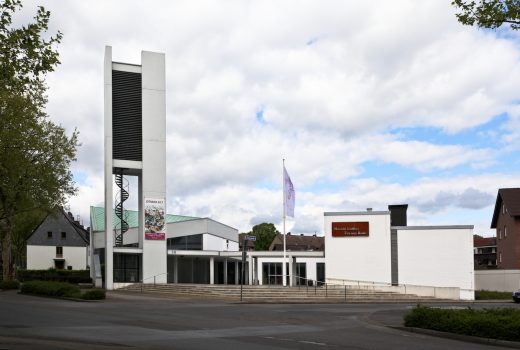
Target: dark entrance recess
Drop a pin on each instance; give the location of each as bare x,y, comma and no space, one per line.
127,267
320,272
231,272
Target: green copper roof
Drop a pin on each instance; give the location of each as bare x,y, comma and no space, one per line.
97,218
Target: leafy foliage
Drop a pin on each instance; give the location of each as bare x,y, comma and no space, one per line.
61,289
94,294
264,233
489,13
12,284
70,276
53,289
35,153
488,323
492,295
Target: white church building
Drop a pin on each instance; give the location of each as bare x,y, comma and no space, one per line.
374,248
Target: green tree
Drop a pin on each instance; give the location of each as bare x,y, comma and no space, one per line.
35,153
488,13
264,233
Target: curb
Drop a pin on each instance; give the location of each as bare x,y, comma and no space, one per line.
462,337
62,298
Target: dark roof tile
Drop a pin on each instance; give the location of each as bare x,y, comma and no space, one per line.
511,198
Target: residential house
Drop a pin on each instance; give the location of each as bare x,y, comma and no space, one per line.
59,242
485,252
506,221
298,243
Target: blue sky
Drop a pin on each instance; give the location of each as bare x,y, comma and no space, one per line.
370,103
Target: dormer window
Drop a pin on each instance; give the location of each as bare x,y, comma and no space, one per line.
63,235
49,234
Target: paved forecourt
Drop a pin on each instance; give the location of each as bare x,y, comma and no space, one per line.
125,320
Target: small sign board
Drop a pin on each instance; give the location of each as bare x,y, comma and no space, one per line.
250,238
350,229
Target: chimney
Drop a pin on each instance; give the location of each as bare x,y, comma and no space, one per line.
398,214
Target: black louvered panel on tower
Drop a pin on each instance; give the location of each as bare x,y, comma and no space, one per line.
126,116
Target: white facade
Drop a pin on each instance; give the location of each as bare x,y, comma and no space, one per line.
310,267
211,242
497,280
151,171
359,258
216,236
201,226
428,260
437,256
40,257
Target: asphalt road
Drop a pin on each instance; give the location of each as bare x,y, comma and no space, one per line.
148,322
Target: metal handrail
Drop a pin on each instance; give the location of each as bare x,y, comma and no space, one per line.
317,284
145,279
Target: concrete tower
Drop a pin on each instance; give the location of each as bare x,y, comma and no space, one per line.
135,145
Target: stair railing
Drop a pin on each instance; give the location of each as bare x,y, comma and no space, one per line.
154,279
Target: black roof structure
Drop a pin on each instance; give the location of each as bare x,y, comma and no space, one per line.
511,198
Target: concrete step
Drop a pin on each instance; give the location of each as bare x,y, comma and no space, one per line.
273,293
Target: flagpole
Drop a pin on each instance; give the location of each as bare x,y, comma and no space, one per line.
284,269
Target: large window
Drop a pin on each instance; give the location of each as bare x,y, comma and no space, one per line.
192,270
301,274
320,272
272,273
193,242
127,267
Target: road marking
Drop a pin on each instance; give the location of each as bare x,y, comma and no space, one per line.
311,342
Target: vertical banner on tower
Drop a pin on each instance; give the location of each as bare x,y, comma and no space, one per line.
154,219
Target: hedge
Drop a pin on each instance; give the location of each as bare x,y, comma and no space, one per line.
94,294
51,288
502,323
61,289
70,276
14,284
492,295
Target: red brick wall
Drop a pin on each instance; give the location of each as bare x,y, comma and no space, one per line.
508,247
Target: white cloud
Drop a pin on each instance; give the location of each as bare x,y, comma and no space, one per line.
327,107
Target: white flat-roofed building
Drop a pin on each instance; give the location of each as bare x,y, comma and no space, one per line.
378,249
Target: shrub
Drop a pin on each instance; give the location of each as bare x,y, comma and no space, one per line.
501,323
94,294
492,295
70,276
50,288
13,284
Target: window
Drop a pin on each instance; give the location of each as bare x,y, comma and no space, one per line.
499,257
499,233
505,231
193,242
64,235
59,252
503,208
49,234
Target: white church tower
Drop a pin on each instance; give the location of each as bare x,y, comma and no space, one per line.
135,145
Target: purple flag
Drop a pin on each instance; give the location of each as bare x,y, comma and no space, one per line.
288,193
